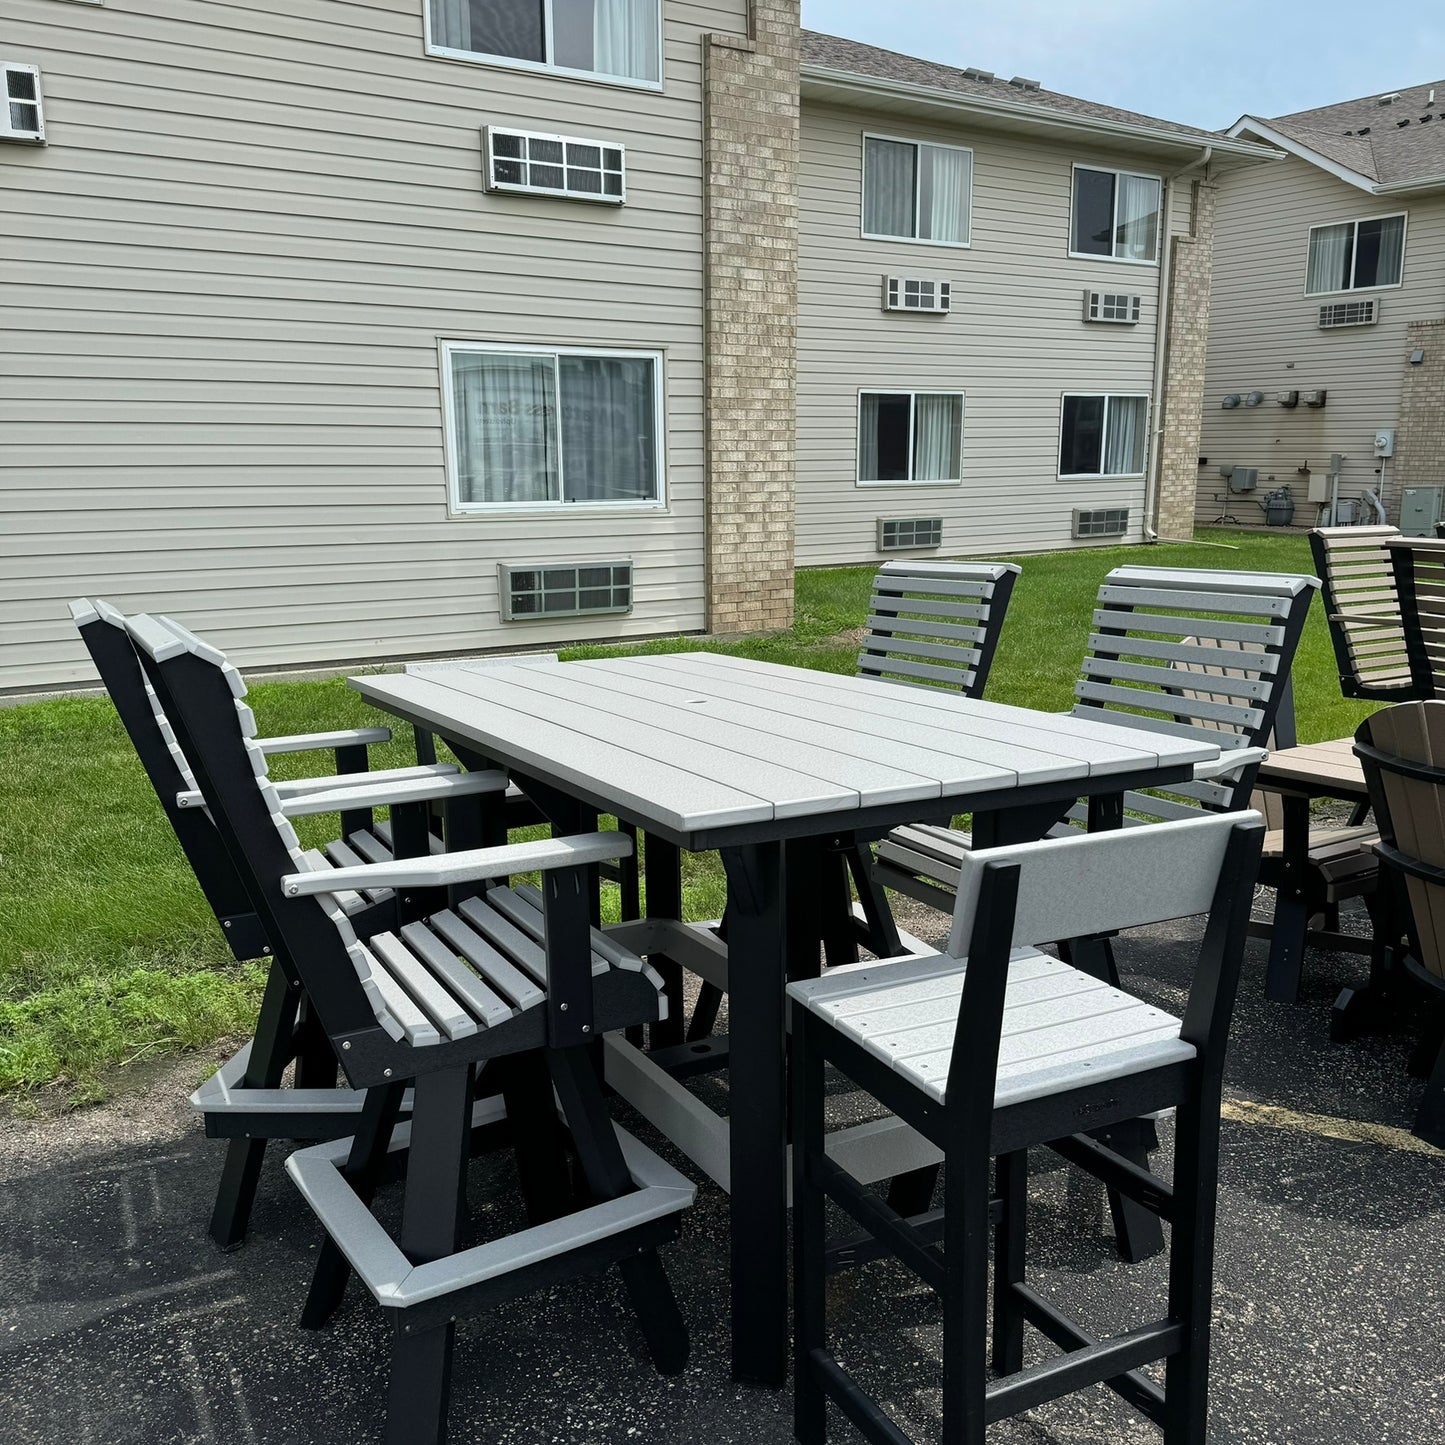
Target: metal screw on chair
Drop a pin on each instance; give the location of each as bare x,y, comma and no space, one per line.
564,1008
346,1044
386,1073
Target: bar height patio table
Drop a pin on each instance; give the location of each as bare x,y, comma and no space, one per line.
769,765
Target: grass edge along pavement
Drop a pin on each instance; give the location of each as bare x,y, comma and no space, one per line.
109,955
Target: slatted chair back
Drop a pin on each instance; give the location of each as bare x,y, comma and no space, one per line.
936,624
1402,750
103,630
1418,565
1362,606
1155,626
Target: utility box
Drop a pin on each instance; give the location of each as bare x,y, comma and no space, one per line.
1420,509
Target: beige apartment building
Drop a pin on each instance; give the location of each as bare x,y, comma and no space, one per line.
359,331
1327,326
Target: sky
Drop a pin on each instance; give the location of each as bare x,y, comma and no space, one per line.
1198,63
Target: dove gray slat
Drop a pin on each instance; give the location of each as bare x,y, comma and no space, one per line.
341,854
1258,633
887,647
485,1005
440,1005
499,972
922,627
382,831
518,909
1131,697
416,1028
927,670
1258,606
1183,652
506,937
347,900
1222,738
907,603
1112,669
942,587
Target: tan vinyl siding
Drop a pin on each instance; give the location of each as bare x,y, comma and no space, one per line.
225,280
1014,343
1264,335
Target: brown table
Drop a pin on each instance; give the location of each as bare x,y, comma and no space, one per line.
1299,775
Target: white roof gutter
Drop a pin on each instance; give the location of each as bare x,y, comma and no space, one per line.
868,85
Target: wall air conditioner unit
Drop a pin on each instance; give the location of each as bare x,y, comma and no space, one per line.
531,593
1101,521
1122,308
1350,313
530,163
917,293
905,534
1243,479
23,116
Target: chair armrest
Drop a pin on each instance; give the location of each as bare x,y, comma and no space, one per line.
443,869
1229,765
315,742
294,787
426,789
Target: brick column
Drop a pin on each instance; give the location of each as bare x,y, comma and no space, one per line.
1420,428
750,243
1182,405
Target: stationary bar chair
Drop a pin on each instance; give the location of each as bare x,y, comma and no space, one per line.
475,977
991,1048
244,1101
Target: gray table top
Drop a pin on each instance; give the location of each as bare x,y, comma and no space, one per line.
691,744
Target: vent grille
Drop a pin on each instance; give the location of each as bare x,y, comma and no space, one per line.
531,163
531,594
906,534
1121,308
1350,313
917,293
23,115
1101,521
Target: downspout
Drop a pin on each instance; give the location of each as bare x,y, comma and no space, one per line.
1161,339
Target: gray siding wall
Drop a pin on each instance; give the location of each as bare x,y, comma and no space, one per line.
1014,343
224,284
1264,335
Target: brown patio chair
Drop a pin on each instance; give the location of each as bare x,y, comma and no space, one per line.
1362,606
1402,750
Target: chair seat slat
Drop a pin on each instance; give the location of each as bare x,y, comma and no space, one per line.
485,1005
499,972
428,992
398,1004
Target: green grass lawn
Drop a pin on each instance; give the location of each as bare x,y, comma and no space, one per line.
108,953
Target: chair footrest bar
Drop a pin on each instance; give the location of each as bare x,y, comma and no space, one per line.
891,1230
1136,1390
847,1251
701,1056
854,1401
476,1273
1113,1362
1119,1173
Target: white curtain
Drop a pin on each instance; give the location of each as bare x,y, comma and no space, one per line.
1137,236
1392,251
888,188
625,39
609,447
868,439
945,185
1329,268
451,24
506,427
937,438
1124,432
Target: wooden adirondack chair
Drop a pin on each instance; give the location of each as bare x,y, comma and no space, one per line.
471,976
1402,750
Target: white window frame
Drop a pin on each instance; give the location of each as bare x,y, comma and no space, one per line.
455,504
547,67
1355,221
912,393
1159,230
915,239
1108,396
19,137
564,193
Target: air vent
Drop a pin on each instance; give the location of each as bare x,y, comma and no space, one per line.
1024,83
974,73
1101,521
532,594
906,534
1350,313
1121,308
23,118
917,293
531,163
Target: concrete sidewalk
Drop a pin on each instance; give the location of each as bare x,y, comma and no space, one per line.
121,1323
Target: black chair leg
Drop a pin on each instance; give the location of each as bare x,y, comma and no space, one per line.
537,1137
647,1285
436,1180
1138,1233
810,1406
965,1298
704,1012
1010,1240
363,1173
1430,1119
270,1053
